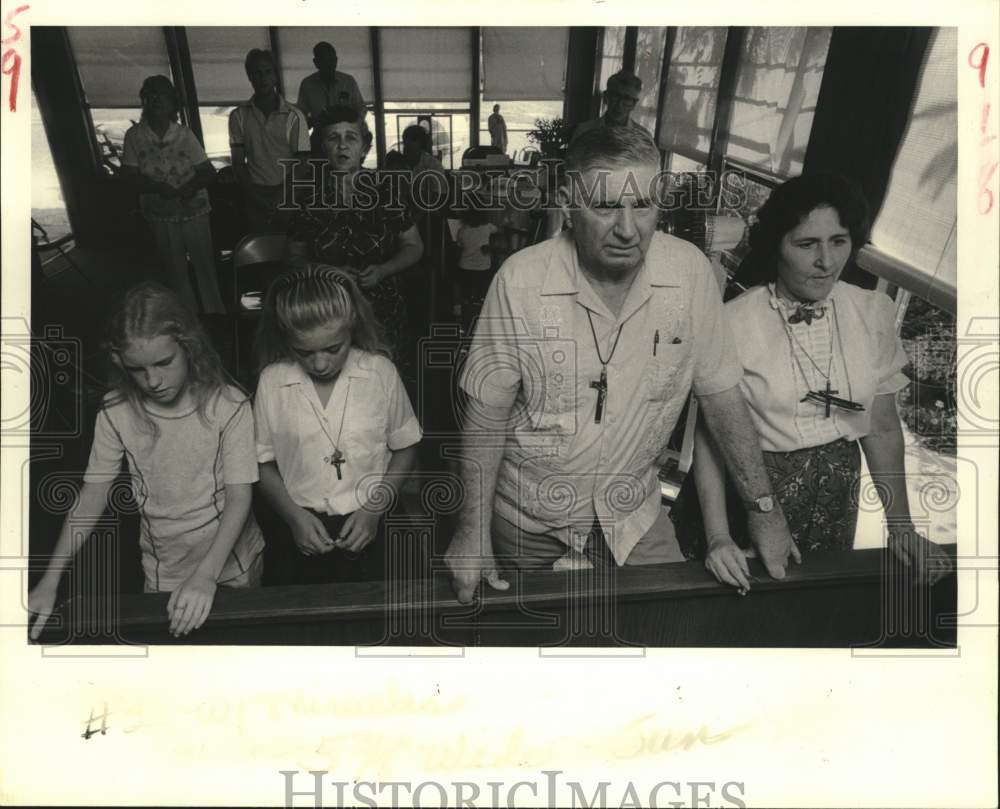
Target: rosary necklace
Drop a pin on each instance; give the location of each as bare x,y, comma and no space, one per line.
337,459
824,397
601,385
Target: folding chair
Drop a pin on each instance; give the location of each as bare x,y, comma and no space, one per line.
257,260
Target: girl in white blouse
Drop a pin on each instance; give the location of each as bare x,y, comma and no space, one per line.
822,364
334,428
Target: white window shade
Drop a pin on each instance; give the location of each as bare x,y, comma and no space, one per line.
217,58
692,91
354,56
648,66
917,223
426,64
777,84
114,62
524,64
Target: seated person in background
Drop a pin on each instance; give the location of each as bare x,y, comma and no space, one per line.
582,359
327,87
263,131
474,258
187,435
822,364
359,227
620,97
430,186
166,162
334,426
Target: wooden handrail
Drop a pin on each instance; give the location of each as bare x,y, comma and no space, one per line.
143,616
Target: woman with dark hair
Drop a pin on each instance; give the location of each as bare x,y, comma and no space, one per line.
168,165
822,364
357,222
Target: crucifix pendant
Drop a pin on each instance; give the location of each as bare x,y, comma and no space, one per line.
338,460
601,386
827,399
827,396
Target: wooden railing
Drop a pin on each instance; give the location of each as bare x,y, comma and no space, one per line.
841,599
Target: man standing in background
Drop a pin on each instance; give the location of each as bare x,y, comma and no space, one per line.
327,87
498,129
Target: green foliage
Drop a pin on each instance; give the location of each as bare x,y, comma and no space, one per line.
551,134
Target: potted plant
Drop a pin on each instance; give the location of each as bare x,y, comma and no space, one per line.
551,135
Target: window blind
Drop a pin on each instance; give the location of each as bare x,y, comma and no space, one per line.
113,62
426,64
777,84
217,58
692,91
524,64
648,67
918,220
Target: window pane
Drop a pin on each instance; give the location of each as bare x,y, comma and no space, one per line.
524,63
520,117
110,126
215,129
777,85
417,62
612,53
648,66
114,62
918,221
692,92
354,56
450,132
47,206
218,56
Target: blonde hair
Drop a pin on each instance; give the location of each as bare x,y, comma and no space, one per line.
150,310
302,300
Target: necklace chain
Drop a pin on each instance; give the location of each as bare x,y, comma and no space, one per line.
597,347
343,413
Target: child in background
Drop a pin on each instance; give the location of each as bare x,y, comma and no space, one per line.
334,427
474,260
187,435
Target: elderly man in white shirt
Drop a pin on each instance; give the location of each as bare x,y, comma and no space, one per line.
584,355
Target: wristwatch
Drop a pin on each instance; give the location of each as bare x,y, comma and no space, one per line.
763,504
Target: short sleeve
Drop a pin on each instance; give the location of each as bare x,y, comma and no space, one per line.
890,356
239,462
492,373
130,156
298,134
402,428
106,453
717,365
262,424
194,148
236,128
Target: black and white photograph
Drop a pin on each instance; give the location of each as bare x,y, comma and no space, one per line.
421,413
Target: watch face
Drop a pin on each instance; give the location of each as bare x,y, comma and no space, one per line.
765,503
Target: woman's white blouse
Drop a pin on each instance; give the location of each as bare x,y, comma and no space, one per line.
295,431
867,361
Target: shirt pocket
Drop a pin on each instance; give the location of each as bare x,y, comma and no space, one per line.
668,368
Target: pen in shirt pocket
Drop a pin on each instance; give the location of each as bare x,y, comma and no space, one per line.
656,340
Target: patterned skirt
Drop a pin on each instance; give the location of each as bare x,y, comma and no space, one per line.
818,491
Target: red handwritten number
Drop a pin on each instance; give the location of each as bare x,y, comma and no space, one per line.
985,195
980,65
10,65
